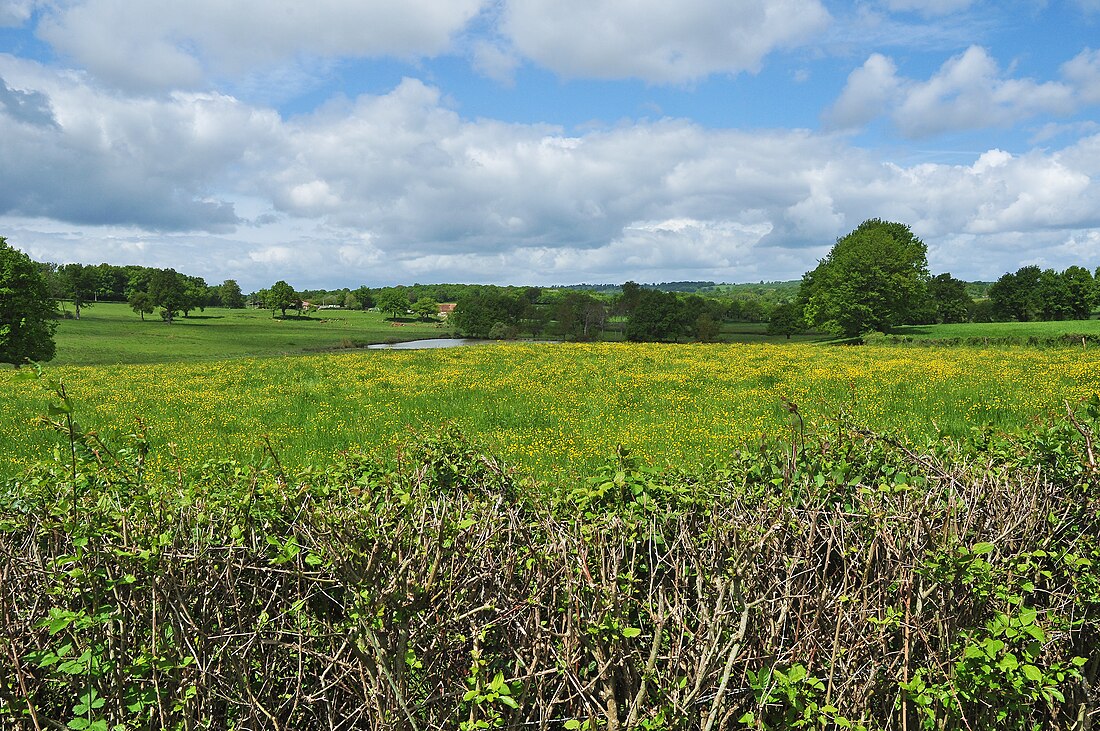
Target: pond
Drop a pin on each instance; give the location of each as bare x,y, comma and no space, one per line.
432,343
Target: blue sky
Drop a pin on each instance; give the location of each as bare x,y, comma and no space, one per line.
346,142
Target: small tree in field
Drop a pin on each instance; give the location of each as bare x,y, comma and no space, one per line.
231,295
281,297
393,300
27,311
425,308
142,303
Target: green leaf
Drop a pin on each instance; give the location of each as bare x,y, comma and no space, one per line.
1033,673
629,632
796,673
509,701
572,724
979,549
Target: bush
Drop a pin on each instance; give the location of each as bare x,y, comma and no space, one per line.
845,582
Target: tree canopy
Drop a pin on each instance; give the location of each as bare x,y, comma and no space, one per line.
394,300
874,278
27,311
281,297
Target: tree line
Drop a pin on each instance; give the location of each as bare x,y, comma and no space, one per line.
873,279
144,288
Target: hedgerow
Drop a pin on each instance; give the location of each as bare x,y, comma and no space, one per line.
831,580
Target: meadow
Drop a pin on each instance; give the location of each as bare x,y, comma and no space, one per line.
1020,331
110,333
550,410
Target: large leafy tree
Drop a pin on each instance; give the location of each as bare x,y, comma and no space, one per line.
949,300
281,297
394,300
657,317
1080,292
1015,296
230,293
580,316
27,311
874,278
425,308
167,290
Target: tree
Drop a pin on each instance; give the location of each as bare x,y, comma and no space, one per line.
786,320
166,289
580,316
949,300
79,283
194,294
231,294
281,297
874,278
27,311
1016,296
142,303
478,312
1080,292
1053,296
365,297
393,300
657,317
425,308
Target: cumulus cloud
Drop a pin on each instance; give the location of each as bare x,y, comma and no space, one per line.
398,187
97,158
871,88
161,44
657,41
968,92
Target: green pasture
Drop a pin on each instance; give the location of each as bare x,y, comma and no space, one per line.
1021,331
111,333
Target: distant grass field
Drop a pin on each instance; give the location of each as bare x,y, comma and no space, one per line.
1001,330
111,333
552,410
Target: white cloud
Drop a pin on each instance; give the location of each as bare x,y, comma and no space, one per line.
495,61
162,44
871,88
398,187
656,40
106,159
1083,71
967,92
15,12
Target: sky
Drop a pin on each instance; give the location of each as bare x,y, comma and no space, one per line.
367,142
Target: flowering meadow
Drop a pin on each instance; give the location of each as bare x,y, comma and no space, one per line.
549,410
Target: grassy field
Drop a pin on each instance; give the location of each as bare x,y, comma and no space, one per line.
110,333
1001,330
552,409
213,386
